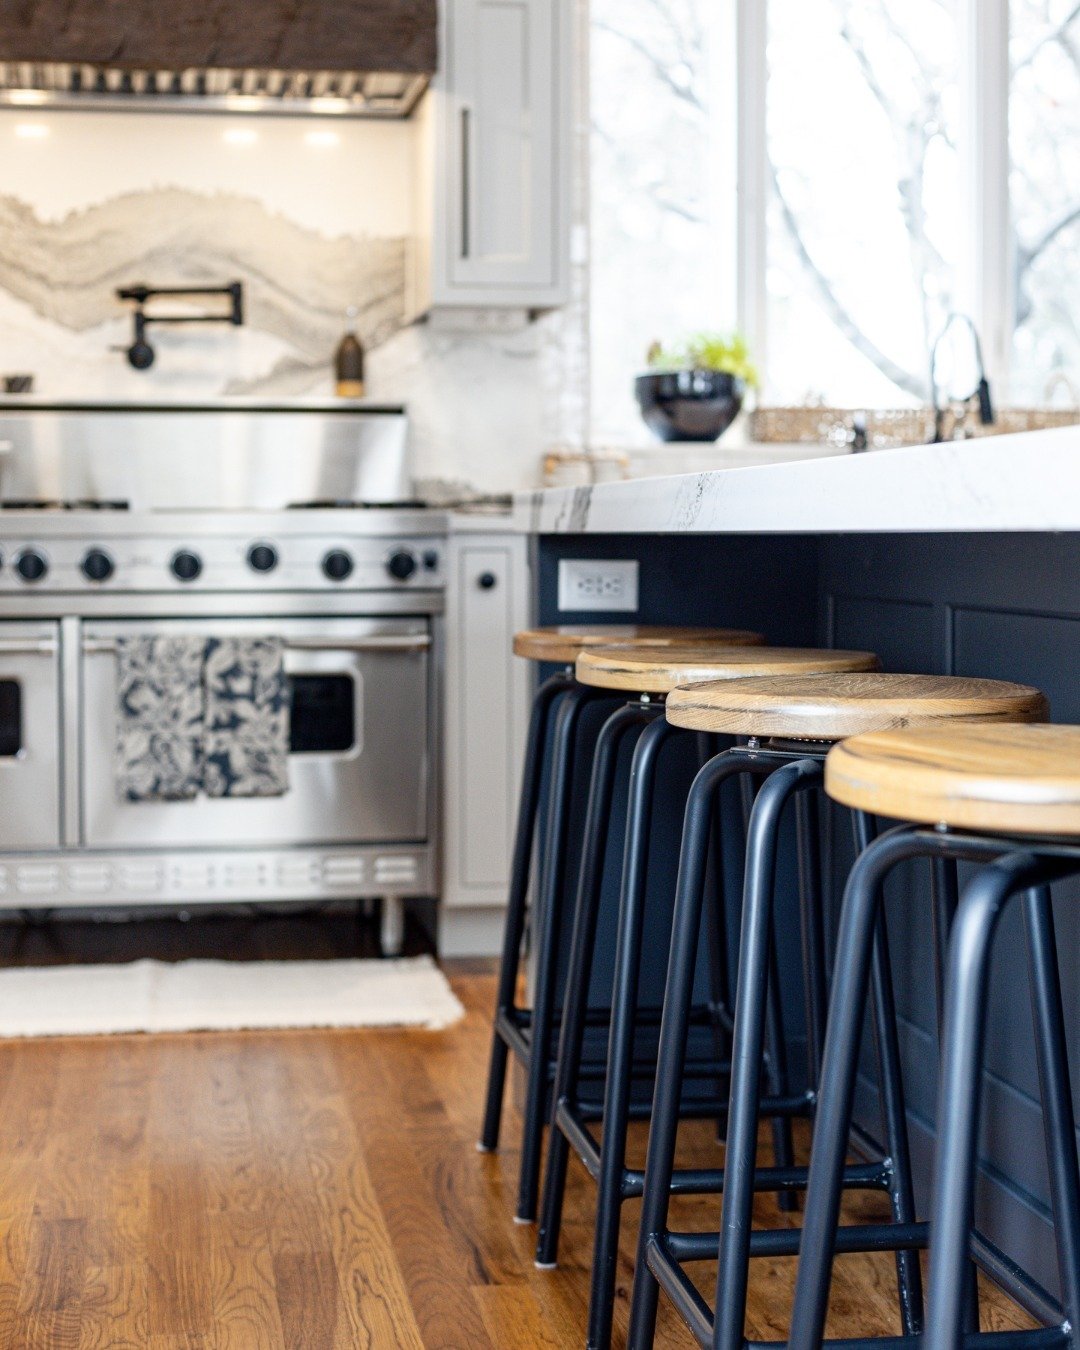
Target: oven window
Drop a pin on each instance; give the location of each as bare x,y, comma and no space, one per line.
10,718
322,714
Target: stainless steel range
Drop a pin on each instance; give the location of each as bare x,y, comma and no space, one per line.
353,592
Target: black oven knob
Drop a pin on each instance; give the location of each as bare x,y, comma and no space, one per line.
337,564
262,557
401,565
185,565
97,565
31,565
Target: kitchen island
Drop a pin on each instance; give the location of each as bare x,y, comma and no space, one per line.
961,558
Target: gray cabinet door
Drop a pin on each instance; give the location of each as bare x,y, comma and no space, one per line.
505,105
487,711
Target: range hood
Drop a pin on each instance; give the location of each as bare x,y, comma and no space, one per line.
368,58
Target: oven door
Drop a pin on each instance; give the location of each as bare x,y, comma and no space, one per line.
358,762
29,735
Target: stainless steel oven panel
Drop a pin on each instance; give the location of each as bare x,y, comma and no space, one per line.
372,790
29,735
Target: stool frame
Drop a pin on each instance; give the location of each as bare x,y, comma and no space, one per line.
790,770
1010,866
606,1161
529,1032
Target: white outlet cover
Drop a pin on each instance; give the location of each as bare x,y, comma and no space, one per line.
598,584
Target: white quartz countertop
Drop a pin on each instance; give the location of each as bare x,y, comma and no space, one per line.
1029,481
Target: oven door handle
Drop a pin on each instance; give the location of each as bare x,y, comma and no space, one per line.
412,642
14,646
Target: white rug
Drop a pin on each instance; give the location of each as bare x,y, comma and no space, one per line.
224,996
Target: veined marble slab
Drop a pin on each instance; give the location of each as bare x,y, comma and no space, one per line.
1029,481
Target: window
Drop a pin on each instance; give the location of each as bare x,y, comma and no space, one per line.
657,174
836,208
863,192
1044,186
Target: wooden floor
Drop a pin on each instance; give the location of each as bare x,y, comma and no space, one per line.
301,1191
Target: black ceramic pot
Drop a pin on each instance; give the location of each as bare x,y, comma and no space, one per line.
689,405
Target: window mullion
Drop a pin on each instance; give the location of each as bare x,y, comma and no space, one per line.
985,287
751,27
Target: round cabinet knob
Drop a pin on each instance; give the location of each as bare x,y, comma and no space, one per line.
31,565
97,565
262,557
337,564
487,581
401,564
185,565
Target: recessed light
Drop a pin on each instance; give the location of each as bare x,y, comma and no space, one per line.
240,135
26,98
323,138
333,106
31,131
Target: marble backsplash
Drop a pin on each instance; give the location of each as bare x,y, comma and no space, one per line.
161,210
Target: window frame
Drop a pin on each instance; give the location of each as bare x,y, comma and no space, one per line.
985,284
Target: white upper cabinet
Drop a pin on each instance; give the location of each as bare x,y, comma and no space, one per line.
495,144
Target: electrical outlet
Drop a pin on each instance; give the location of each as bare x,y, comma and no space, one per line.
598,584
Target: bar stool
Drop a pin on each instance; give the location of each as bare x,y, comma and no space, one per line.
1007,799
799,719
523,1029
649,673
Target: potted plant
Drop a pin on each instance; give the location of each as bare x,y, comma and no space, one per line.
694,390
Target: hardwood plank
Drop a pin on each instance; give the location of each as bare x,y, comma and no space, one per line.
318,1190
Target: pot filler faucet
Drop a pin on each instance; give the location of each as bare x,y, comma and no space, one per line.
946,340
141,354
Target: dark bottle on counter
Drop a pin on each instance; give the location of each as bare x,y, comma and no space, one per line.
349,360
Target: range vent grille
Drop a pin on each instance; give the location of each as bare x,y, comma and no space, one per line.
319,93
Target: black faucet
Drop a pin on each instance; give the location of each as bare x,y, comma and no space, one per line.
981,392
141,353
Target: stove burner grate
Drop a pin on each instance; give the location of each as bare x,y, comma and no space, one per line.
69,504
346,504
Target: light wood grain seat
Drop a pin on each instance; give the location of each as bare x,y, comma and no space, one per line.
659,670
828,707
997,779
564,642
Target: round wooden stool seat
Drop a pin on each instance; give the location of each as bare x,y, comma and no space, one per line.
658,670
828,707
995,779
563,643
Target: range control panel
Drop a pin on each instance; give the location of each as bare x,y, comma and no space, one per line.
202,561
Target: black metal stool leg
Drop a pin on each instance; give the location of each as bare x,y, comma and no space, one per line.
517,901
776,1072
548,911
689,897
958,1090
855,943
716,939
891,1098
945,895
751,1000
812,907
621,1038
1059,1122
579,969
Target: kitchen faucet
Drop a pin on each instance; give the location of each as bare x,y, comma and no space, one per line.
981,392
140,353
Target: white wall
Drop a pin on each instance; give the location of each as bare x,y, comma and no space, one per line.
311,214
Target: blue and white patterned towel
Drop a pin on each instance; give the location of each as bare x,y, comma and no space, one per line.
201,715
246,735
159,742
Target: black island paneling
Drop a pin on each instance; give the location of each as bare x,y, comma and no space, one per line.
1000,605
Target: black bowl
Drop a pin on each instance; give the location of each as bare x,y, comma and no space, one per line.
689,405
